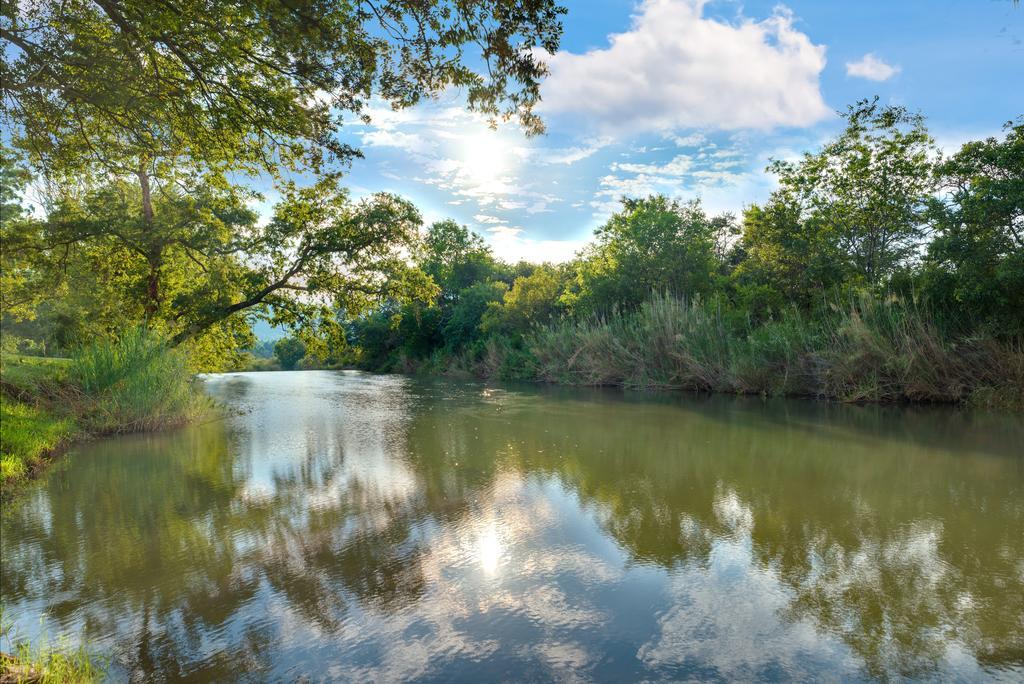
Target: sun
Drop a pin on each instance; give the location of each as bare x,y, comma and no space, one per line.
486,157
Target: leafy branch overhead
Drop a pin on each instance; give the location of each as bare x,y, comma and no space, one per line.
264,85
138,115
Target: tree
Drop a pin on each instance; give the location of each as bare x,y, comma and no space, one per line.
179,95
20,278
318,253
289,351
848,216
655,244
784,261
461,326
975,264
128,85
533,300
455,258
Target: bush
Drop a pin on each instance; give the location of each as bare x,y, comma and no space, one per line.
289,351
134,383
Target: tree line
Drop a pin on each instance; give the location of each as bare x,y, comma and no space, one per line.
136,125
877,218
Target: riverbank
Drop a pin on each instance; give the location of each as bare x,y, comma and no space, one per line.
869,352
22,661
32,427
136,384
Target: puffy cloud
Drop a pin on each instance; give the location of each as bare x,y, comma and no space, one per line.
872,68
677,68
510,244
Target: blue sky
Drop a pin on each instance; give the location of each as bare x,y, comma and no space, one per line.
691,99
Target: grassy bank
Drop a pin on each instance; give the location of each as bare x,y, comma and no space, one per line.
31,429
864,351
867,351
22,661
132,384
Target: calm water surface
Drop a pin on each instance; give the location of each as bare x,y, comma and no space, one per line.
340,526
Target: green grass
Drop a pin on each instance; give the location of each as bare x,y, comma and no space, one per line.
27,434
44,663
136,383
29,430
31,374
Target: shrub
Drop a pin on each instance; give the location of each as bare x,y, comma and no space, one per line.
134,383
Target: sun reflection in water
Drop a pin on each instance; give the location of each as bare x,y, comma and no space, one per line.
489,549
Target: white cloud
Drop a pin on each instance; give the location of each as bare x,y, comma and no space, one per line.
511,245
691,140
571,155
676,68
675,167
410,142
872,68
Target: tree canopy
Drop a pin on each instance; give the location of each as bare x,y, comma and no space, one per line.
130,85
138,117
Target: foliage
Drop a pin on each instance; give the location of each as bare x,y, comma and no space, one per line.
134,117
848,216
189,278
455,258
533,300
654,244
462,326
134,383
975,264
289,351
132,87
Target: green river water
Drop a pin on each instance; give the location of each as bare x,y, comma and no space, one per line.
339,526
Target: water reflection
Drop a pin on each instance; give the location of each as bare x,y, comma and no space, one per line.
376,528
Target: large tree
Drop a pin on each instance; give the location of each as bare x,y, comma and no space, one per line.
653,245
849,215
180,96
975,264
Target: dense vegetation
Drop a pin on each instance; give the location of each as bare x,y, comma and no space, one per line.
878,270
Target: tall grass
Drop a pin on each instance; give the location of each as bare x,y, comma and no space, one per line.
134,383
868,350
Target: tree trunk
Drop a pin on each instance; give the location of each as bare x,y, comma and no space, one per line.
155,250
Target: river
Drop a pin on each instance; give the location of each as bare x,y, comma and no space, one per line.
345,526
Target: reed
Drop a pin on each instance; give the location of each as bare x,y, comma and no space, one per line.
866,350
134,383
